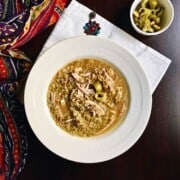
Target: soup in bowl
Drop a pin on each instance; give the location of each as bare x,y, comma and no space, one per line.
90,87
88,97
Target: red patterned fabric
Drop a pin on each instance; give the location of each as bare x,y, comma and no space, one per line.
20,20
2,157
3,70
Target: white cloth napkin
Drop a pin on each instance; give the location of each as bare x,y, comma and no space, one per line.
71,24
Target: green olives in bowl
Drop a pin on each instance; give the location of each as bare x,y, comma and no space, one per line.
151,17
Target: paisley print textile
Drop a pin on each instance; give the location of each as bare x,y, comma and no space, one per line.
20,20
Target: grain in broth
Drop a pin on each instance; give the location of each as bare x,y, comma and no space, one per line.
88,97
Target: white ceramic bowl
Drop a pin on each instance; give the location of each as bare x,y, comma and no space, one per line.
94,149
168,17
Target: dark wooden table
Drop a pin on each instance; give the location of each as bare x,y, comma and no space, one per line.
156,155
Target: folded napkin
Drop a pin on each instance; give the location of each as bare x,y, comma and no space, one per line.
19,22
74,19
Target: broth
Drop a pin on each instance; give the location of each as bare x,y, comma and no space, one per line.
88,97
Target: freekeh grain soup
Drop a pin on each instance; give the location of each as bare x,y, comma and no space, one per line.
88,97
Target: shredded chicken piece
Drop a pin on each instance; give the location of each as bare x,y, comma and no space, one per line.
68,120
66,81
85,89
63,102
63,107
53,98
86,74
94,107
79,94
77,70
108,79
58,111
77,77
119,94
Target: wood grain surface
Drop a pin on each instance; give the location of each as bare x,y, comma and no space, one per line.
156,155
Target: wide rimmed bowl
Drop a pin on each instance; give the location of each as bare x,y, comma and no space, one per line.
95,149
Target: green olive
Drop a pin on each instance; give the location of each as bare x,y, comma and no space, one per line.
147,26
136,14
153,4
155,18
100,96
144,3
156,27
98,86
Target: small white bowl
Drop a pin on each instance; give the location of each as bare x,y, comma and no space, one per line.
168,17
